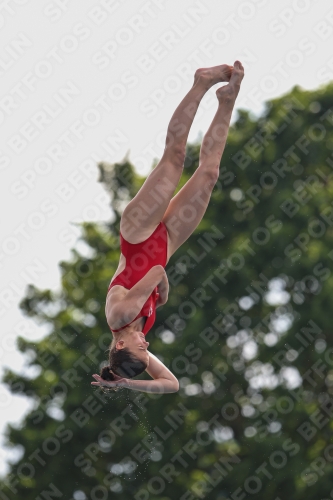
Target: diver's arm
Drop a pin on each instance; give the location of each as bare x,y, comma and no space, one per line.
163,290
124,311
163,380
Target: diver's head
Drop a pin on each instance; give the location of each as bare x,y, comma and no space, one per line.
128,355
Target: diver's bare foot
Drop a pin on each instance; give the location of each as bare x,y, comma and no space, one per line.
229,92
210,76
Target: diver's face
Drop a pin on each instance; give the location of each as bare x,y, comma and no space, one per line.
139,346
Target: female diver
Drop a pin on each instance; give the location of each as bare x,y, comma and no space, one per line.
152,228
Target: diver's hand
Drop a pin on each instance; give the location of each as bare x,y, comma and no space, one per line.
163,290
111,384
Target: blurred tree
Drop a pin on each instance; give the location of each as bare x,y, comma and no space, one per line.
247,330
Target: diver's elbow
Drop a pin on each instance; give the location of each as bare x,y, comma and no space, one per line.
175,386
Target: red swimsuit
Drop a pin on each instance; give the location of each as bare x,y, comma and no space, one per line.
140,258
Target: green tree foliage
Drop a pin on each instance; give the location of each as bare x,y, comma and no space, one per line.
247,330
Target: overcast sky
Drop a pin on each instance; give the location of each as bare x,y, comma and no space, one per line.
84,81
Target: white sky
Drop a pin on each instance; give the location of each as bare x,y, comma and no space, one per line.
127,65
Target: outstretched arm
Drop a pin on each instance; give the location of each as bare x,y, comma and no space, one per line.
163,380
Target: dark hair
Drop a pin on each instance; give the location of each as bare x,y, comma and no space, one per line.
122,363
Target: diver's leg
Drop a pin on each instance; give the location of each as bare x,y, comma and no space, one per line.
145,211
188,206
